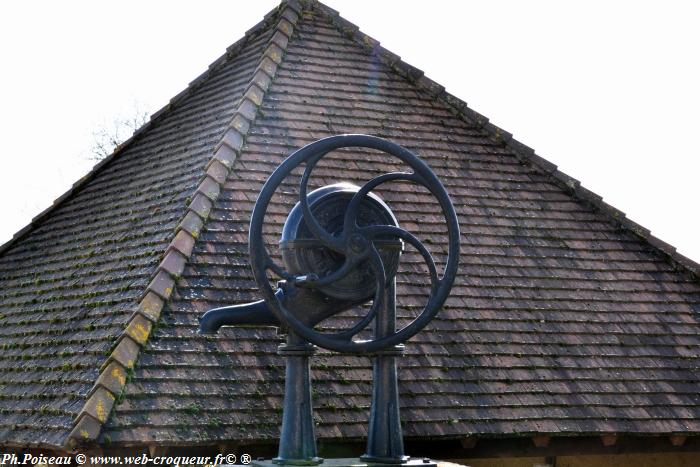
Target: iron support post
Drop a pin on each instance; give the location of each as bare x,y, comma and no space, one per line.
385,437
298,436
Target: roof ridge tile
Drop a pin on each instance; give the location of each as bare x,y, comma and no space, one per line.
520,150
112,379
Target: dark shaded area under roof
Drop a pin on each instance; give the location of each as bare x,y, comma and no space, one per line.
561,322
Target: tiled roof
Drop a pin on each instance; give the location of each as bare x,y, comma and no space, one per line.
71,281
566,319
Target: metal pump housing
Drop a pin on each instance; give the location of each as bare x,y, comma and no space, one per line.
303,256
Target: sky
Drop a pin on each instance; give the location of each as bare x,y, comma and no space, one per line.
608,91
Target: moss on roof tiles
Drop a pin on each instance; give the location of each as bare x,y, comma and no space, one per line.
70,282
509,209
560,296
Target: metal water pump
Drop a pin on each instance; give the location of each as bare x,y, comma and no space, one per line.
340,247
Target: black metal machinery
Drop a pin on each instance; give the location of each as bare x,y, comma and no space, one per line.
340,246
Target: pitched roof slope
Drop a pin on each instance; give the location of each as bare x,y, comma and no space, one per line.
562,321
70,282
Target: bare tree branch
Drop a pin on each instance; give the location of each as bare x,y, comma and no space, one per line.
107,137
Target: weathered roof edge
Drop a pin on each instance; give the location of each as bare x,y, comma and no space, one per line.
113,374
521,151
231,52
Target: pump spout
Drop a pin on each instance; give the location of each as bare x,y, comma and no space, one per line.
310,306
250,314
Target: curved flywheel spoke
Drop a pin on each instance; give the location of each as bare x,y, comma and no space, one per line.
350,221
374,231
335,276
276,268
312,223
377,266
